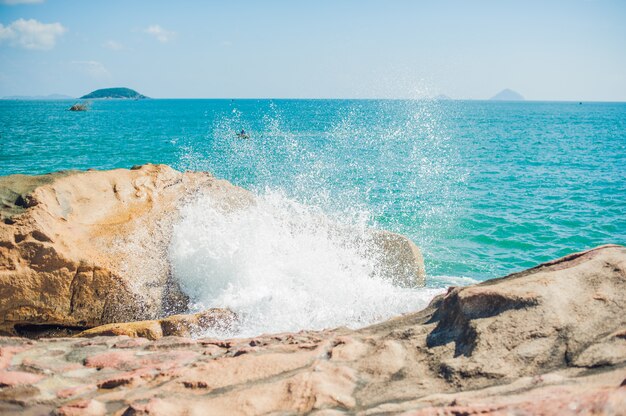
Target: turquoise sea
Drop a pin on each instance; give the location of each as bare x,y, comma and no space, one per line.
484,188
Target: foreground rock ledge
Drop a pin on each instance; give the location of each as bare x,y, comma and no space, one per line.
81,249
550,340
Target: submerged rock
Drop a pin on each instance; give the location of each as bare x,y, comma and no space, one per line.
549,340
79,107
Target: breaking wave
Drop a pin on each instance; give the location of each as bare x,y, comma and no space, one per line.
284,266
300,257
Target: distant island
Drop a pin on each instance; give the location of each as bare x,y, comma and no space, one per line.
107,93
508,95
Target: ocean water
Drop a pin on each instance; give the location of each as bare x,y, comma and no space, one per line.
484,188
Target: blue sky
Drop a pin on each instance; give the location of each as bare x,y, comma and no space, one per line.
546,50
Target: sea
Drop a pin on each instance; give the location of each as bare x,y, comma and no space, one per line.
484,188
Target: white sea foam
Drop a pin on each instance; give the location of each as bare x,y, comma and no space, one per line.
284,266
447,281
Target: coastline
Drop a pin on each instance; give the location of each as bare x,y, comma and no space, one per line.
555,331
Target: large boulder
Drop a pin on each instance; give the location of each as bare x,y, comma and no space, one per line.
79,249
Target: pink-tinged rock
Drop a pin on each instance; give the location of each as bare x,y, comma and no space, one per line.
17,378
156,406
127,360
167,360
217,342
133,378
459,410
92,342
44,364
131,343
120,360
236,352
83,408
170,343
6,354
548,402
76,391
213,351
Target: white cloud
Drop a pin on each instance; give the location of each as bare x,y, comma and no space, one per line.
160,34
14,2
31,34
94,69
113,45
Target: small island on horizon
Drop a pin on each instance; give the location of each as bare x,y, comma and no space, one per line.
114,93
507,95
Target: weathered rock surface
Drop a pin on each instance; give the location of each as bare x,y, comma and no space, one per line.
402,259
191,325
550,340
79,249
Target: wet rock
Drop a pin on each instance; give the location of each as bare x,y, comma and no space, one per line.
83,408
17,378
401,260
176,325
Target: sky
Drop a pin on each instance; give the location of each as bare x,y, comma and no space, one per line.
570,50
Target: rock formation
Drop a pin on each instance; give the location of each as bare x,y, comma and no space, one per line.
81,249
79,107
550,340
192,325
402,260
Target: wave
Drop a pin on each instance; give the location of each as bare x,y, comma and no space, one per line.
284,266
447,281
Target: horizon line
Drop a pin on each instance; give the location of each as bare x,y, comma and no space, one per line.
43,98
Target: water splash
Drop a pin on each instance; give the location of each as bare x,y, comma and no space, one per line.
284,266
383,164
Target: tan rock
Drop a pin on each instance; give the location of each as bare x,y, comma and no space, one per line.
145,329
83,408
79,249
402,260
175,325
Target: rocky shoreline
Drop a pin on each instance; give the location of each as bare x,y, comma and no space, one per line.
549,340
82,249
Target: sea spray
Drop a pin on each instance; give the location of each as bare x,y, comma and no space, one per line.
284,266
392,158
